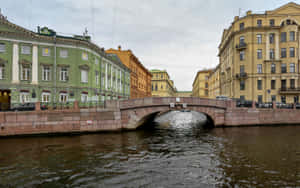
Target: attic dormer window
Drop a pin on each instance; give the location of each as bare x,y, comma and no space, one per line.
242,26
84,56
46,52
272,22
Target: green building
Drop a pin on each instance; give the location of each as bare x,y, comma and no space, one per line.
52,69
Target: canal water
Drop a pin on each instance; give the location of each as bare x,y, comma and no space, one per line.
181,155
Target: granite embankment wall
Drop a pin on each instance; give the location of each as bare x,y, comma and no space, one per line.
59,121
260,116
115,117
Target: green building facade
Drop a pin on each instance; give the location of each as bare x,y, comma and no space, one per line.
50,68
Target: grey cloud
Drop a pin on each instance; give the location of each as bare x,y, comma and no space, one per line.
181,36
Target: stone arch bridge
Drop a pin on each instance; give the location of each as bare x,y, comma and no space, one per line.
136,112
220,113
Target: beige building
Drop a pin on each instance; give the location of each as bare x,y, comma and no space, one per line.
162,85
259,56
214,83
200,84
184,94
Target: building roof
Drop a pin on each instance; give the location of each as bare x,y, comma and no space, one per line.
111,50
53,37
294,8
202,71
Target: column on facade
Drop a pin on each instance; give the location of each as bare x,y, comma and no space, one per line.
267,46
111,77
277,45
298,45
120,84
15,64
116,80
106,77
34,64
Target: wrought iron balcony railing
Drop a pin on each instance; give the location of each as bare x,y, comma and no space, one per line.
241,46
289,90
241,75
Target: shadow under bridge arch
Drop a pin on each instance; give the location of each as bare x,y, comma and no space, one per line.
147,121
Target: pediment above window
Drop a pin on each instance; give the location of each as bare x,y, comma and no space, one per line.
25,62
84,67
63,65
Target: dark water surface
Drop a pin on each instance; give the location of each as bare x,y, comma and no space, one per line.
173,157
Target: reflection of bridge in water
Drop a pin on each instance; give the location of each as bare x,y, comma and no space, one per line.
219,113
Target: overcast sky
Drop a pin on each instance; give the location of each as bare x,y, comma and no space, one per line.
180,36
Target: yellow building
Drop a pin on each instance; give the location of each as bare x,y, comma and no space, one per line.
259,56
200,84
162,86
183,94
140,77
214,83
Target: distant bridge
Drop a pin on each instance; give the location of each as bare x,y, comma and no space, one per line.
219,113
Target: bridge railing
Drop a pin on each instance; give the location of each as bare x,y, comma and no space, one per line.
286,105
264,105
157,101
243,103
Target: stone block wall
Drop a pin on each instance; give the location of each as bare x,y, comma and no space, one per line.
60,121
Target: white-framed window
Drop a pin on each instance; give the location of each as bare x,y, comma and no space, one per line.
46,73
292,67
84,97
259,68
259,53
259,38
1,72
25,72
63,97
96,61
63,53
242,40
46,97
63,76
2,47
84,56
24,97
242,55
46,52
84,76
272,54
97,77
25,49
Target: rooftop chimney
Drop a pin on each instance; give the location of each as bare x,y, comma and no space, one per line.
236,18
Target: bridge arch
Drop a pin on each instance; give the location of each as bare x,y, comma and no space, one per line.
135,113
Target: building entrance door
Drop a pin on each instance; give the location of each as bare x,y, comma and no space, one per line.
5,100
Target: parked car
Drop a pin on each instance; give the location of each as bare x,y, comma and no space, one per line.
223,98
24,107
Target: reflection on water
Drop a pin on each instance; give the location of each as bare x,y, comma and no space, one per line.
173,157
181,120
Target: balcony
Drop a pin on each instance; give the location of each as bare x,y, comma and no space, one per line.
291,90
241,46
242,75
